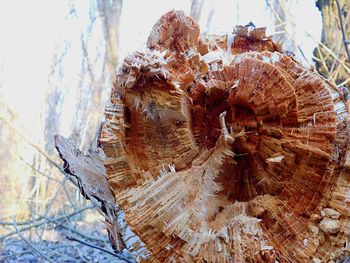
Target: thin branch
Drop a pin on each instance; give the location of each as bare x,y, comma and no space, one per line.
84,235
38,148
280,20
14,254
119,256
328,50
38,171
69,197
344,82
345,42
49,205
42,222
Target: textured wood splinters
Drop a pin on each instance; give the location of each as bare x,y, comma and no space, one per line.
222,148
92,180
225,149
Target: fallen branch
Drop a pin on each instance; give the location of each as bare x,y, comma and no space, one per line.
119,256
41,222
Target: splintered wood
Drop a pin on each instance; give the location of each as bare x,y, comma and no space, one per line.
225,149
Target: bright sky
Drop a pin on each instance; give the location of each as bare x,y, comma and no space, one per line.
31,31
139,16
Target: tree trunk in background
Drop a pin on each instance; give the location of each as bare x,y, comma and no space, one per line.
111,11
283,24
336,70
196,9
95,41
285,27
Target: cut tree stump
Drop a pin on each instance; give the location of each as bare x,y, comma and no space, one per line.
225,149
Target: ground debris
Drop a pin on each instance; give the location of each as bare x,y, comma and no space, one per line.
59,249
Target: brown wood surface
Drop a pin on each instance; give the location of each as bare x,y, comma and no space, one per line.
225,149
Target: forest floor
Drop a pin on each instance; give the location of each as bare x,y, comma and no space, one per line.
60,245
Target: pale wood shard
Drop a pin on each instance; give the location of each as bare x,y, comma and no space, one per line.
92,180
89,172
222,149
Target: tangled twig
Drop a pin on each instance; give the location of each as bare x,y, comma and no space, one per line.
119,256
40,222
345,41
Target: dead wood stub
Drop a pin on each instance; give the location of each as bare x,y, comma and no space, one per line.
222,148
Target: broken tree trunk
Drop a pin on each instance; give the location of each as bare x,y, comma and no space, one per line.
223,149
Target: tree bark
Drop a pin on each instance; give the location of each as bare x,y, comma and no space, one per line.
336,67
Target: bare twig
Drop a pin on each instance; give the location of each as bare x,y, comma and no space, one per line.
343,30
83,235
38,171
344,82
42,222
15,254
69,197
49,205
28,222
280,20
328,50
119,256
38,148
